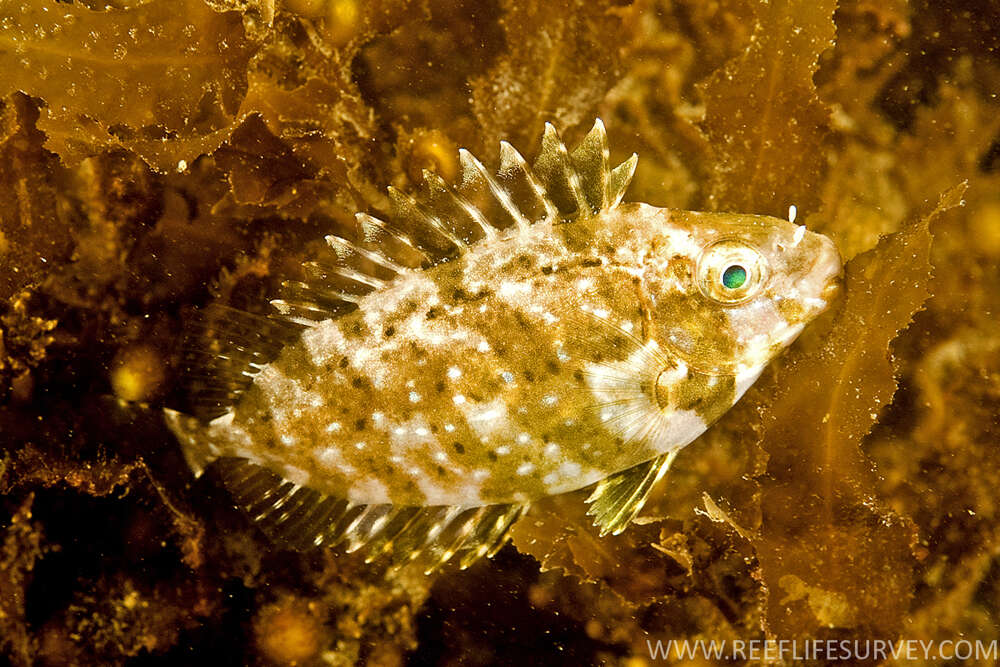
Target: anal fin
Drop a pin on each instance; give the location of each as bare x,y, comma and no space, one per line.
302,518
618,498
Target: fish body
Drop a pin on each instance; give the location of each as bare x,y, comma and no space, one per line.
485,365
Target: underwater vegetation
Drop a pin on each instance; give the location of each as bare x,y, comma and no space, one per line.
159,155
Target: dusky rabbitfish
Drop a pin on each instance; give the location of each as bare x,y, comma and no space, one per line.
521,334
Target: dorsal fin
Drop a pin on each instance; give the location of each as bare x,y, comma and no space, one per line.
222,350
468,221
557,172
520,182
373,234
301,518
617,499
618,180
590,159
428,229
483,192
443,221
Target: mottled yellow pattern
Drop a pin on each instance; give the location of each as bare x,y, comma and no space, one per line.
538,356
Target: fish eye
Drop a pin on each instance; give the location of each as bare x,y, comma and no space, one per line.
734,276
731,271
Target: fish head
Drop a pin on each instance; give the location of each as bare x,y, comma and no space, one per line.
729,292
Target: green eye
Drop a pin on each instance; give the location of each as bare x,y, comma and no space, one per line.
731,271
734,276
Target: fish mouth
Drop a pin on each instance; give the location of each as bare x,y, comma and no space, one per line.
827,272
833,288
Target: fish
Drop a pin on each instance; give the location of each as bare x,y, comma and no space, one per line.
519,334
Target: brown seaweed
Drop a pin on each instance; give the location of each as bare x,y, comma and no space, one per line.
816,559
764,121
163,79
562,57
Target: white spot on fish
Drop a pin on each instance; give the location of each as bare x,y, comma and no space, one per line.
454,372
333,458
368,490
487,419
295,475
525,468
569,469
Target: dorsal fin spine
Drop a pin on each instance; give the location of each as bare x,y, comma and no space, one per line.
619,179
471,162
336,241
369,222
437,186
511,160
358,276
590,160
403,203
555,165
559,184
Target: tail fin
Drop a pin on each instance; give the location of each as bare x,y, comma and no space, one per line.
222,350
197,450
